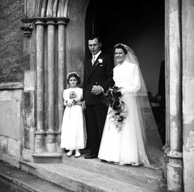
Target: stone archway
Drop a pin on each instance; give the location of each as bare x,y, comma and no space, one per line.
56,24
64,20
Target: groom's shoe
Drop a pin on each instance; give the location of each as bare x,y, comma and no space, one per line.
90,156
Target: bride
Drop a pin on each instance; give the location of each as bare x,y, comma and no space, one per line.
137,140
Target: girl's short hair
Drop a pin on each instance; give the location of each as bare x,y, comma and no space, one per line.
73,74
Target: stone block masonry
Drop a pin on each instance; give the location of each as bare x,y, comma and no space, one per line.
12,61
11,124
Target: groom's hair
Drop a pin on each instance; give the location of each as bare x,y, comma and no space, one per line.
94,36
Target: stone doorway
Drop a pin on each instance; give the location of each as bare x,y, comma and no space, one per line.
139,24
178,29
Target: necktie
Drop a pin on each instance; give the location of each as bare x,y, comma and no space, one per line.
93,59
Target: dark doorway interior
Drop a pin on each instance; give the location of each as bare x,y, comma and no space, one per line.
140,25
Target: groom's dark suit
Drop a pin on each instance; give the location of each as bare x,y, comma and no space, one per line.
100,73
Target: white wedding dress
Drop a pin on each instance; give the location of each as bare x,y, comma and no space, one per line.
128,145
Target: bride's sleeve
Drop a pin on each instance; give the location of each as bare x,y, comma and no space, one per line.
133,84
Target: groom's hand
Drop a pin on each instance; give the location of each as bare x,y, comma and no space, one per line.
97,89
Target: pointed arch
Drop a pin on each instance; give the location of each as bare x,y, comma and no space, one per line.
38,7
65,12
43,8
61,8
55,8
51,8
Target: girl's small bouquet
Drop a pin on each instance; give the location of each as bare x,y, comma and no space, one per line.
117,111
73,96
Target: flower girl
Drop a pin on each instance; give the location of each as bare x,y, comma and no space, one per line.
73,133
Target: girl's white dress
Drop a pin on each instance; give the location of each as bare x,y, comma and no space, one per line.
73,133
126,146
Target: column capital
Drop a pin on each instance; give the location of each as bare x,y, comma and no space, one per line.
27,20
175,154
62,20
42,20
27,27
40,132
166,148
39,21
51,22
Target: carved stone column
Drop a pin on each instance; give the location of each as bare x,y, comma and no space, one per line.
50,138
50,73
62,22
166,147
39,138
174,167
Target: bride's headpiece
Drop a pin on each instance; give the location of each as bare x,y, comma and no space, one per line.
122,45
130,55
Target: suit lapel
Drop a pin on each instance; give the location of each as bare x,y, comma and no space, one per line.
93,67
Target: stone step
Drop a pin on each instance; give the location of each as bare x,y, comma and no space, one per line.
90,175
124,173
21,181
75,179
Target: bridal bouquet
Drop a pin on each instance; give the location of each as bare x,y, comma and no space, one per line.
117,111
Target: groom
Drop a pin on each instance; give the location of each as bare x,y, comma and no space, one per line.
98,77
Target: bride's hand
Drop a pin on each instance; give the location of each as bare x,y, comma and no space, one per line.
123,91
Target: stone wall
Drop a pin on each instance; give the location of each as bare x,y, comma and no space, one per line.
12,61
11,115
188,92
